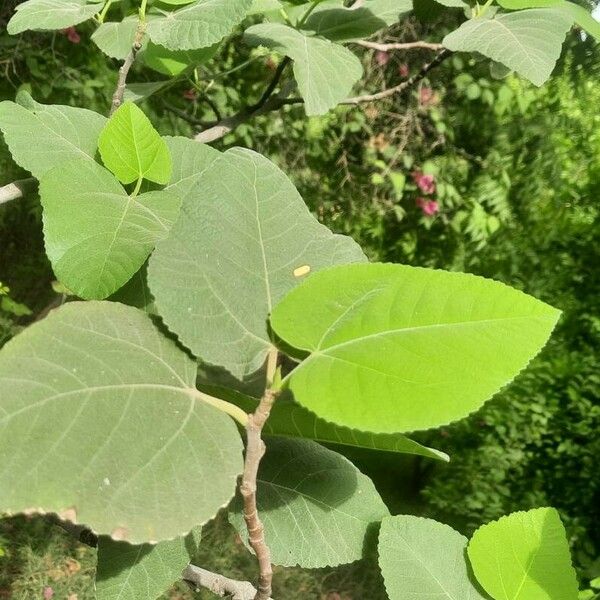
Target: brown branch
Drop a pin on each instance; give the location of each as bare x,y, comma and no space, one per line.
117,98
400,46
218,584
17,189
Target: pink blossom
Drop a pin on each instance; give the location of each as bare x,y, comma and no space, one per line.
403,70
72,35
429,207
426,183
191,94
382,58
426,96
48,593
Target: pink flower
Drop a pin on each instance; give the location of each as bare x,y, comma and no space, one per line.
429,207
48,593
426,96
426,183
190,94
72,35
382,58
403,70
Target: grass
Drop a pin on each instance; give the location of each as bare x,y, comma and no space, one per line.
36,554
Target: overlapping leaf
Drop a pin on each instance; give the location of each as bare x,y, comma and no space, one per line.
96,235
316,506
397,348
528,42
198,25
244,239
100,423
116,39
421,558
41,137
173,62
524,556
51,14
325,71
127,572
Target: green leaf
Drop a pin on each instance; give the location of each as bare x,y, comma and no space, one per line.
96,235
528,42
397,348
421,558
264,6
341,24
136,92
198,25
316,506
51,14
288,419
244,239
127,572
579,14
325,72
132,149
41,137
123,444
173,62
524,556
116,39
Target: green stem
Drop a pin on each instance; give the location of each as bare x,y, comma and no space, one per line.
307,14
138,186
104,10
231,409
481,11
143,11
286,17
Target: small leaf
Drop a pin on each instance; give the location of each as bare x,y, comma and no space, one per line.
528,42
96,235
524,556
41,137
231,257
51,14
116,39
136,92
316,506
325,72
198,25
118,427
173,62
132,149
127,572
396,348
421,558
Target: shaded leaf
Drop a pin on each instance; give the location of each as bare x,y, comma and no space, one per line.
524,556
423,559
243,233
117,431
316,506
96,235
116,39
136,92
398,348
325,72
173,62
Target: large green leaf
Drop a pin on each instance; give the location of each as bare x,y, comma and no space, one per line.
423,559
338,23
132,149
325,71
198,25
398,348
244,239
116,39
528,42
524,556
316,506
41,137
288,419
96,235
578,13
127,572
51,14
100,423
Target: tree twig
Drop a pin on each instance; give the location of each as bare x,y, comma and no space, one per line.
16,189
399,46
218,584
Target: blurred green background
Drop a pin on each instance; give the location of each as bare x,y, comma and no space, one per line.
517,186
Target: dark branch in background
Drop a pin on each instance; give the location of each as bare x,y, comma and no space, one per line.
218,584
400,46
17,189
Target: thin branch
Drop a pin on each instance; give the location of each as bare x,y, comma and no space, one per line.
17,189
255,450
400,46
218,584
117,98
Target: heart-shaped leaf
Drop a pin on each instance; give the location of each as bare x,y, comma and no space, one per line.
398,348
100,423
96,235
